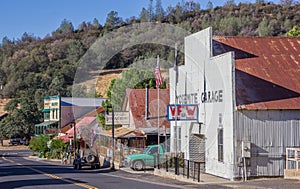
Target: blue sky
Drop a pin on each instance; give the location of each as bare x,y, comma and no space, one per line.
41,17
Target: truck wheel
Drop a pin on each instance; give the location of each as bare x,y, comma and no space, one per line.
91,158
138,165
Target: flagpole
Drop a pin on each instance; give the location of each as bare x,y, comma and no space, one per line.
159,81
158,132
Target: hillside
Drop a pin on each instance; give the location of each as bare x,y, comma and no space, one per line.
3,102
103,81
31,67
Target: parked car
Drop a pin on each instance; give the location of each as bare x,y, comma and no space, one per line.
20,139
88,159
15,140
146,158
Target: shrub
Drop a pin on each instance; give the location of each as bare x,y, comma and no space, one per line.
39,144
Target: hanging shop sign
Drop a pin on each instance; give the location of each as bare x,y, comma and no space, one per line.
120,118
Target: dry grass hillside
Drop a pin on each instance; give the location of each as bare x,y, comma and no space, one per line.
2,104
104,79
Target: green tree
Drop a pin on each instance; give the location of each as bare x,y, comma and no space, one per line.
131,78
66,27
22,115
112,20
144,16
39,98
229,3
178,13
96,23
57,86
294,32
28,37
286,2
287,24
57,147
39,144
150,11
12,105
264,28
75,51
230,25
196,7
159,11
259,2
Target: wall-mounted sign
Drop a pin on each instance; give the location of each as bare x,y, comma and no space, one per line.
121,118
185,112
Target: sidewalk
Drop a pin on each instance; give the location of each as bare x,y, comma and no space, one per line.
57,161
204,178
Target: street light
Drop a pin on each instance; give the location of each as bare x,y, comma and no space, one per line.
112,134
74,126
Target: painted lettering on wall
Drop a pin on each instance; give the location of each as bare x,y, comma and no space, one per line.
212,96
188,98
184,112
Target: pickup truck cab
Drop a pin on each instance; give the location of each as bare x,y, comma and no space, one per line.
145,159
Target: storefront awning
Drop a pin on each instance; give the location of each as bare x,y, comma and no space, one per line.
123,132
46,110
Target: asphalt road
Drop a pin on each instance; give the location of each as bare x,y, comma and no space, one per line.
19,171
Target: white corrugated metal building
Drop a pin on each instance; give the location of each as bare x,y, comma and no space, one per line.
248,93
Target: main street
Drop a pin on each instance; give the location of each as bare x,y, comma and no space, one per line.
18,171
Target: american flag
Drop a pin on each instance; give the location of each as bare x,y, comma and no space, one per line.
158,77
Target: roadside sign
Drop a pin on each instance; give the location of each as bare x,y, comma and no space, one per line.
185,112
121,118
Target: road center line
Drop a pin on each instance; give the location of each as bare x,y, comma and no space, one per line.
4,158
60,178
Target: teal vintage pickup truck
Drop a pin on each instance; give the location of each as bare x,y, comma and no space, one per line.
146,158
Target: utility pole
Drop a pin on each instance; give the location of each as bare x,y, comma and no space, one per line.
176,116
112,134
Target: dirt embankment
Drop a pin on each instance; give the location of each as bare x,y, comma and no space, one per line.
104,79
3,102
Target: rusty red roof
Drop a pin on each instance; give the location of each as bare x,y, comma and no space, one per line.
136,101
267,70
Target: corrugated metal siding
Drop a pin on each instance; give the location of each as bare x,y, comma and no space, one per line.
269,132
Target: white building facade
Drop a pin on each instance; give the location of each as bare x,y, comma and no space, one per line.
225,126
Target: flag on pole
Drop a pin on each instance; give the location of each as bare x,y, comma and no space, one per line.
158,77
